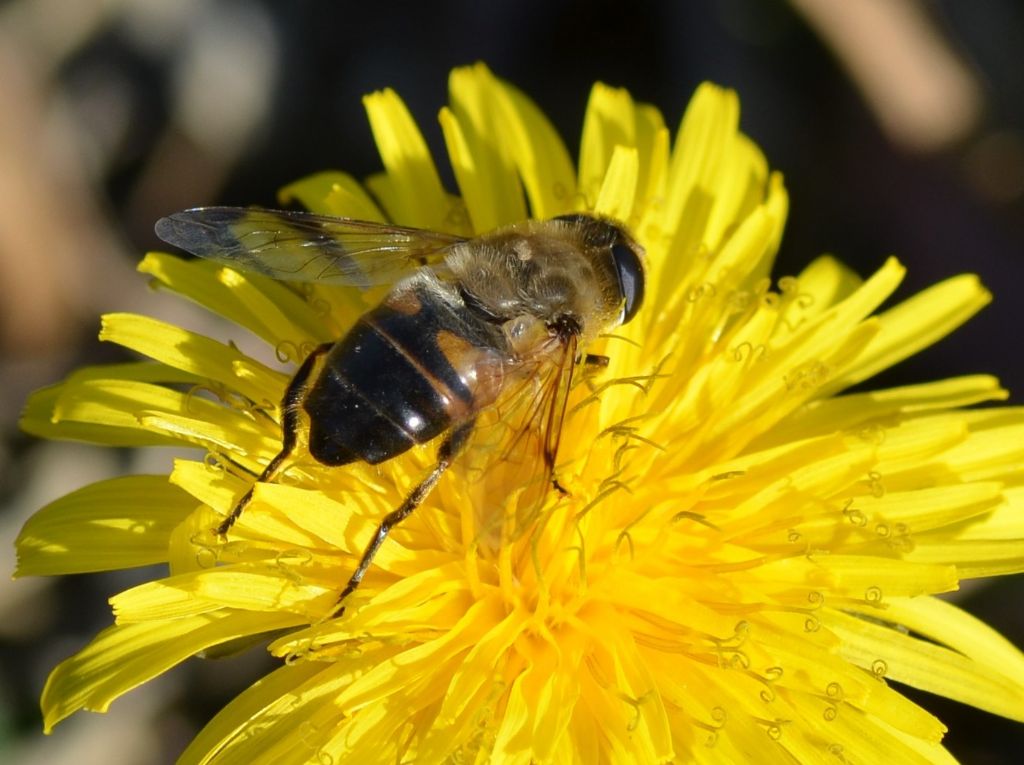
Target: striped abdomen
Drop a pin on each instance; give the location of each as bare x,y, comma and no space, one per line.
408,370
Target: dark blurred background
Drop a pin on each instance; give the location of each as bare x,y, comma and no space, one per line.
898,126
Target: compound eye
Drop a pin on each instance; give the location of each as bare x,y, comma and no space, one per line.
630,269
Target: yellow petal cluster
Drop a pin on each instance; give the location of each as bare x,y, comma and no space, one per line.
748,557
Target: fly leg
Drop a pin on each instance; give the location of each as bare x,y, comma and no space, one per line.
290,427
446,454
590,361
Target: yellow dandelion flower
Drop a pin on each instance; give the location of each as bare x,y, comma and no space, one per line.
747,557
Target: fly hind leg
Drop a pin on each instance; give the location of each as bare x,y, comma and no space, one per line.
290,427
446,454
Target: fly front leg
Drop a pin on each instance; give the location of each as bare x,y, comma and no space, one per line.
290,428
446,454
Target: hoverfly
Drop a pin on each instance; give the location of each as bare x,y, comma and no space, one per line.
470,325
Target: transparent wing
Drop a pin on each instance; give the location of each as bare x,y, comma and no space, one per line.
300,246
515,444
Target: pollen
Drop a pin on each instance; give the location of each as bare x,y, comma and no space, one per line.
523,249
